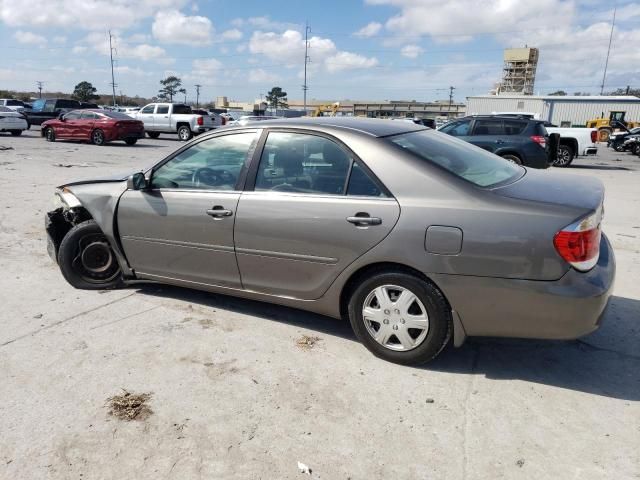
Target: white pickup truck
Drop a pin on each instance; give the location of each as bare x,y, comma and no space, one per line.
574,142
172,118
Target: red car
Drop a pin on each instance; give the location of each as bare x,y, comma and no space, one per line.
94,125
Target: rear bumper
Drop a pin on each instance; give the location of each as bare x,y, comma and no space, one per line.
127,134
590,151
563,309
536,159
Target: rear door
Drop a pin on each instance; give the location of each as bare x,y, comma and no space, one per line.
86,124
161,119
309,210
488,134
182,226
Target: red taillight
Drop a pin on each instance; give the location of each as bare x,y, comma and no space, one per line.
540,140
594,136
579,243
200,121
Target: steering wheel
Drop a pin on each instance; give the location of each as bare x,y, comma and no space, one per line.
212,178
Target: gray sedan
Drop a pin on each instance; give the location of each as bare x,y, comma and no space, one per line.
415,237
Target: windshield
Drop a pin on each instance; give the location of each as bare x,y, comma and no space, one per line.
458,157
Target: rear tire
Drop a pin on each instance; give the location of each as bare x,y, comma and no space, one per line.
130,141
16,133
86,259
512,158
565,156
50,134
185,133
428,302
153,134
98,138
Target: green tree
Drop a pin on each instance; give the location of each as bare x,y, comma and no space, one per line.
625,91
84,92
277,98
170,88
560,93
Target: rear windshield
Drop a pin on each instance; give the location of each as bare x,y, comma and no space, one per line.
117,115
180,109
458,157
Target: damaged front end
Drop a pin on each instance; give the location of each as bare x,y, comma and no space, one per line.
68,212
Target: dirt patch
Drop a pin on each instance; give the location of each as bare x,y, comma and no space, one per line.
306,342
130,406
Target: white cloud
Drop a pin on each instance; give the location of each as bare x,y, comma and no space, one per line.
82,14
347,60
99,42
411,51
60,39
288,47
231,35
266,23
369,30
259,75
28,38
172,26
78,49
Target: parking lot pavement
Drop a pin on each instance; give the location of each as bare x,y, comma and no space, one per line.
235,396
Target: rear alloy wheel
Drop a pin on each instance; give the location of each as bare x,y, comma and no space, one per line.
130,141
184,133
153,134
50,135
565,156
512,158
400,318
97,137
16,133
86,259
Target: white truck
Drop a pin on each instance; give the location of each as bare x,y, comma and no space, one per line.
574,142
172,118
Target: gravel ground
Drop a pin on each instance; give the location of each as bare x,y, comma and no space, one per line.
235,393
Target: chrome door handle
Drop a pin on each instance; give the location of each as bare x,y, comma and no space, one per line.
219,212
361,220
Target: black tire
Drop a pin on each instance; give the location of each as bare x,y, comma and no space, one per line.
619,147
185,133
153,134
565,156
86,259
512,158
98,138
50,134
16,133
437,309
130,141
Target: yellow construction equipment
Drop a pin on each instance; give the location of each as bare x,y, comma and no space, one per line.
606,126
328,110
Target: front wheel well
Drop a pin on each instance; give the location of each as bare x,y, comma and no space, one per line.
382,267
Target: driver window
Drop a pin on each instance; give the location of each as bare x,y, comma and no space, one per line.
213,164
148,109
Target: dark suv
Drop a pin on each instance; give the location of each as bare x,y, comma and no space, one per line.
521,140
45,109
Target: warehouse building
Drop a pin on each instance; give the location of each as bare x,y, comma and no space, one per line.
564,111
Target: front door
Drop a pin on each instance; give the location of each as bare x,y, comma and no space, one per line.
182,226
146,116
68,125
314,210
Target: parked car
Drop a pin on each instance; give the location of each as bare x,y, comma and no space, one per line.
216,118
96,126
45,109
172,118
520,140
12,121
632,144
14,104
427,122
616,140
246,119
415,236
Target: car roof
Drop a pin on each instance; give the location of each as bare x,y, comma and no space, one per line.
373,126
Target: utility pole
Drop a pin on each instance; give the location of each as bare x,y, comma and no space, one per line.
185,97
606,63
307,59
198,95
451,89
40,85
113,81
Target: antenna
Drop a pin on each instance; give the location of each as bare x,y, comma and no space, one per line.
113,81
307,59
40,85
606,63
197,95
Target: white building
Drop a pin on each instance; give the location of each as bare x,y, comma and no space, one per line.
564,111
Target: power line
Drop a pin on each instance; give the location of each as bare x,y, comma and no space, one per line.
113,80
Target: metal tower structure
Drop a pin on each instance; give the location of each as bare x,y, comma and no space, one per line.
519,71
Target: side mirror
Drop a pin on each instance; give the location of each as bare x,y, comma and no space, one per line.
137,181
61,116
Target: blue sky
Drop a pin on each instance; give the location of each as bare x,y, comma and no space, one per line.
360,49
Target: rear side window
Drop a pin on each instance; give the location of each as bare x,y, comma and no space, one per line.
460,158
540,130
67,104
14,103
163,109
513,127
488,127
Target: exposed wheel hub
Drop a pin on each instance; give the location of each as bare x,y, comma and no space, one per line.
97,257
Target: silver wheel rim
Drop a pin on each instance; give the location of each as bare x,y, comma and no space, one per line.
563,156
184,134
395,317
97,137
49,134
